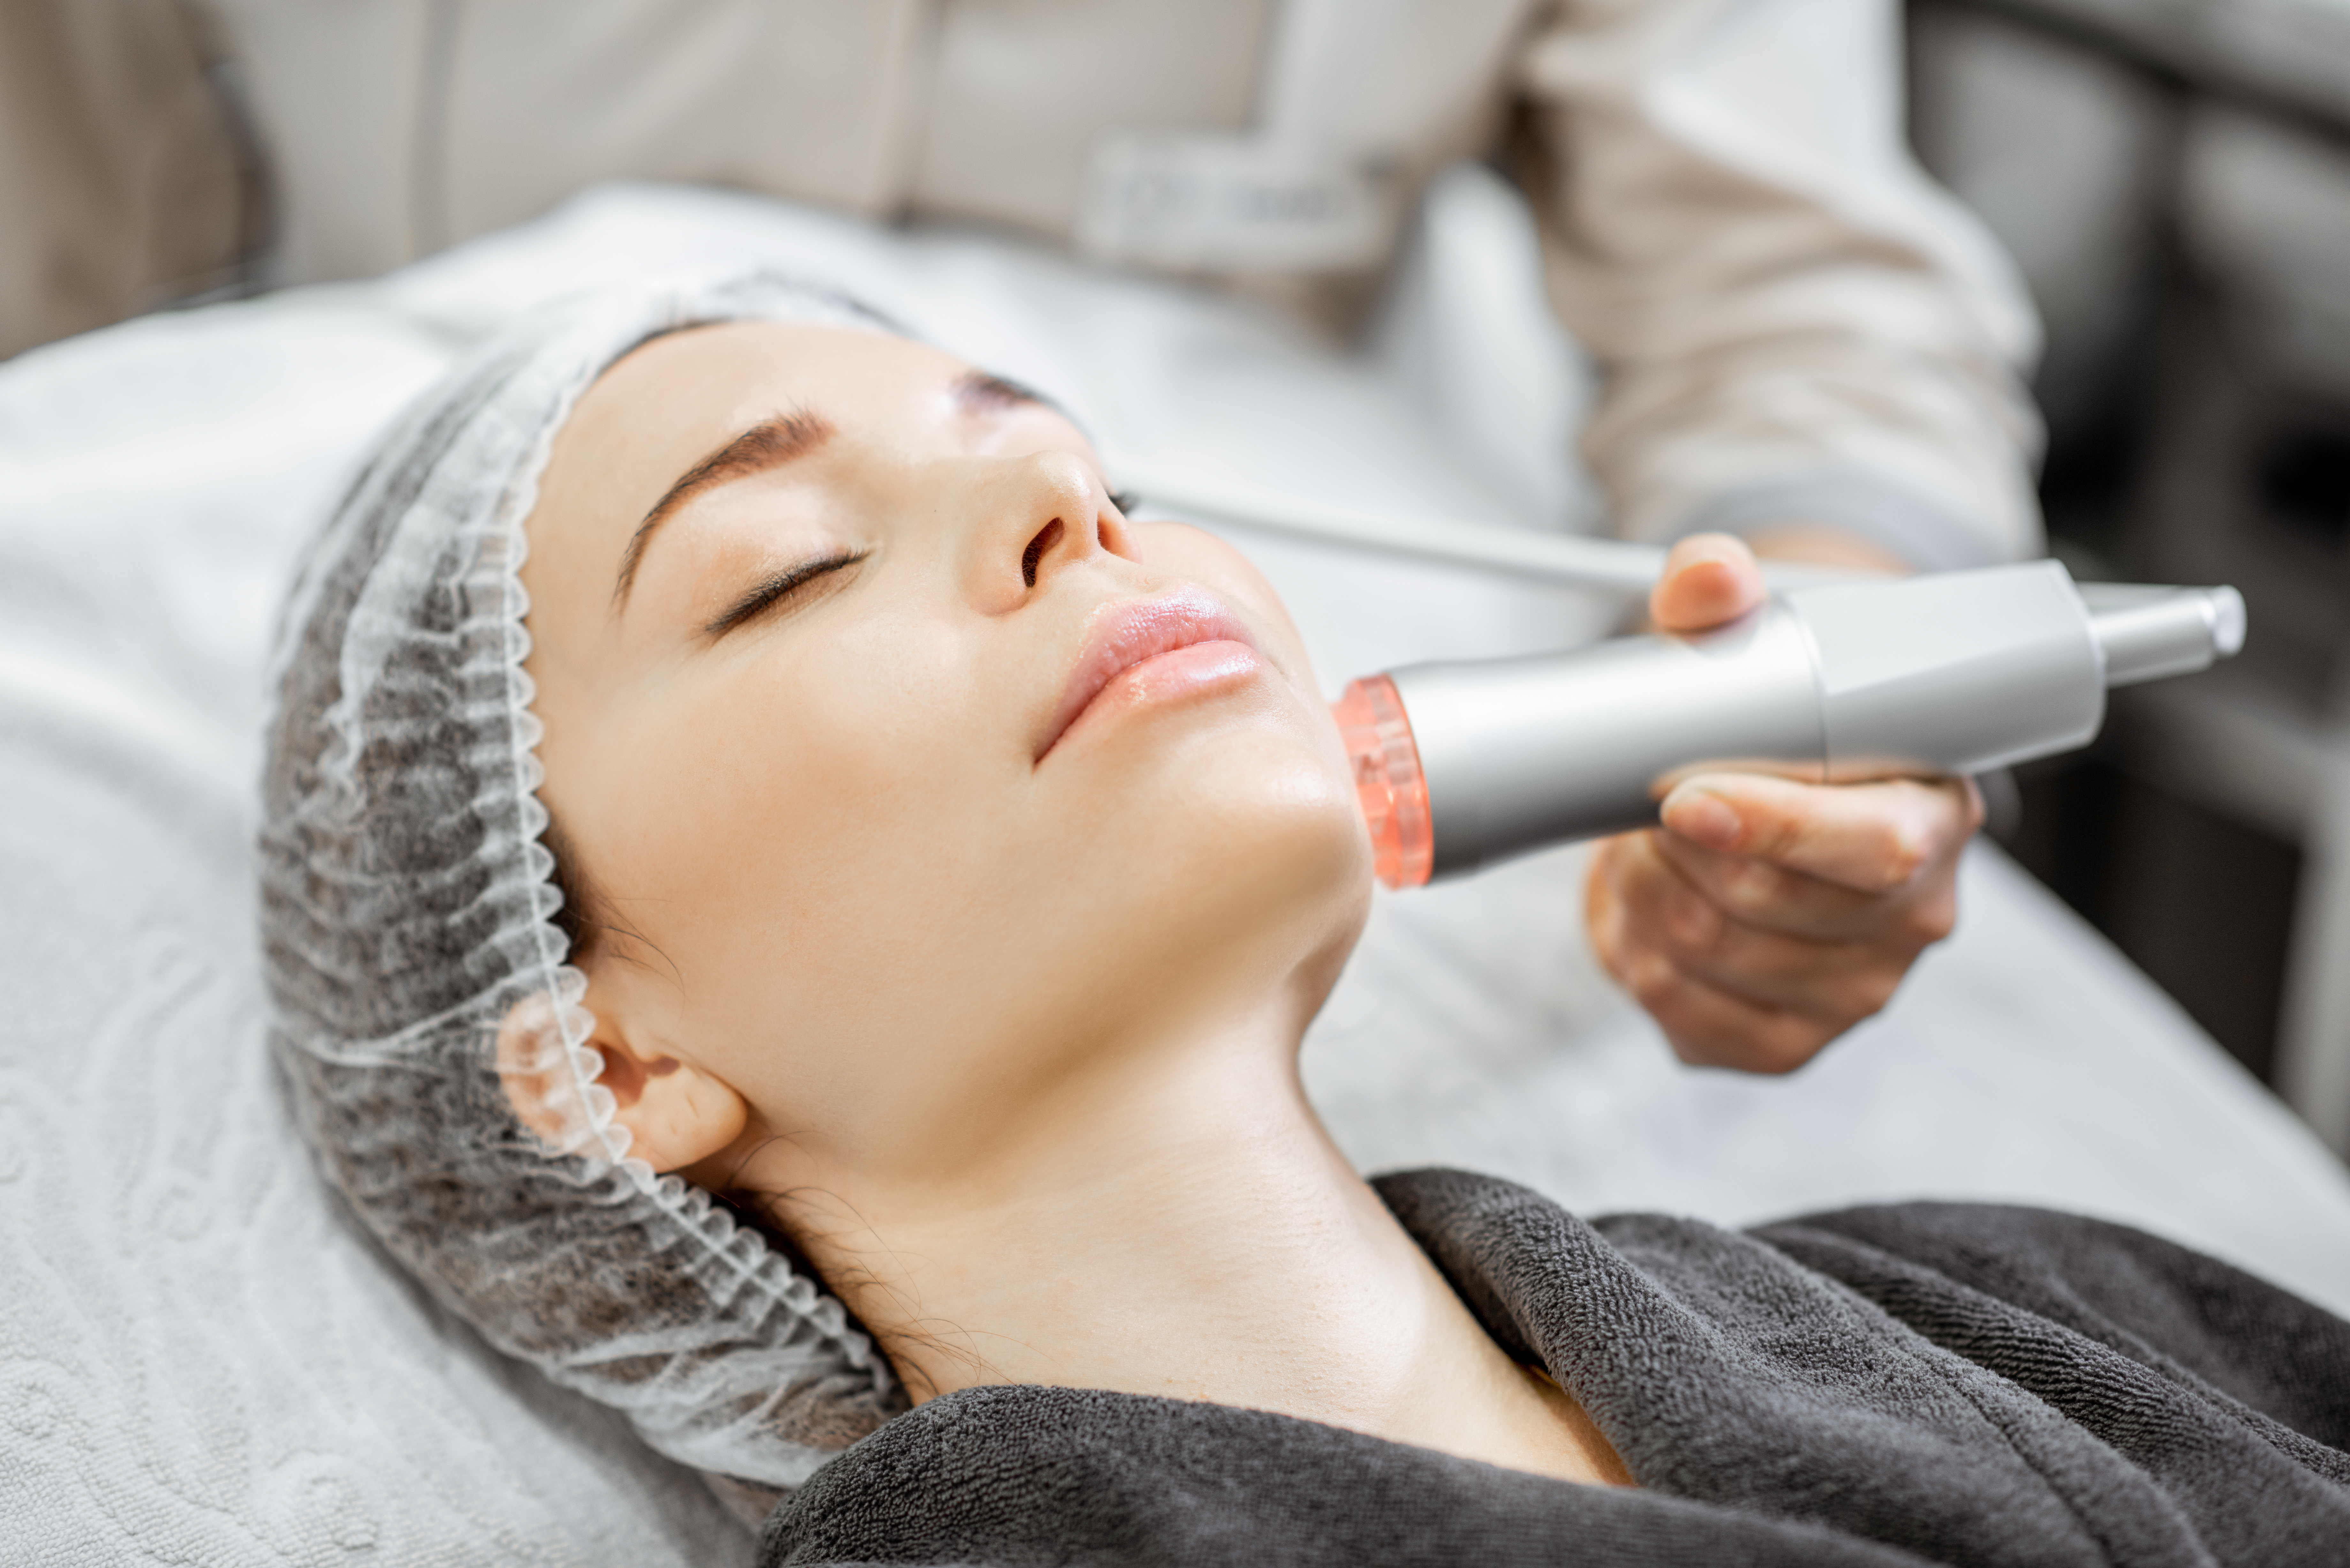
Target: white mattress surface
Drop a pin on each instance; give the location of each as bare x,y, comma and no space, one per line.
202,1362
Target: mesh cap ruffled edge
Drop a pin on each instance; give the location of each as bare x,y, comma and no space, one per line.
737,1365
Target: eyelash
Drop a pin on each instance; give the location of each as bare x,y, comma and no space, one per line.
781,587
783,584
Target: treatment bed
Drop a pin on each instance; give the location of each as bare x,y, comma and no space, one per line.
202,1361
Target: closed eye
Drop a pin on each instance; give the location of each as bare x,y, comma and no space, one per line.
794,586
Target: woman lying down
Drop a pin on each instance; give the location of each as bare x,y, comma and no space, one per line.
736,761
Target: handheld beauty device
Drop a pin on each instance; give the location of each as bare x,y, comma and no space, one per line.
1463,764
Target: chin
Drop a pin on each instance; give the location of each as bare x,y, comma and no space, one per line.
1265,836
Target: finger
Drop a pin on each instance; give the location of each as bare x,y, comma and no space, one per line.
1792,903
1662,912
1709,578
1739,1006
1764,894
1870,837
1646,913
1829,982
1708,1028
1604,903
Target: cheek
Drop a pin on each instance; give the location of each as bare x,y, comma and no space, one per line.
806,838
1253,816
879,914
797,788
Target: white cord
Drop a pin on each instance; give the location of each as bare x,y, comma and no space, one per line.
1569,560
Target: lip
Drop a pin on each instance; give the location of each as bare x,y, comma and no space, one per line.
1129,633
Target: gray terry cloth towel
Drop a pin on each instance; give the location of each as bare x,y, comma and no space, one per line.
1926,1383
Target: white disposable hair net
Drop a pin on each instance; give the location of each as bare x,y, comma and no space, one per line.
406,904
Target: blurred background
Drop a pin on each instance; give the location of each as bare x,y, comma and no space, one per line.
2173,177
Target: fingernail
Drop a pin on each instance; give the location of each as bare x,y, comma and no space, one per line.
1703,818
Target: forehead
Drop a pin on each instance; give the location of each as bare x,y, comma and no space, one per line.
705,382
665,405
667,408
670,401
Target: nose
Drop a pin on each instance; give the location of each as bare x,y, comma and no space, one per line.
1029,518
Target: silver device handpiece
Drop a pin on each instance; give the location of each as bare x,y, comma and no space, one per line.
1461,764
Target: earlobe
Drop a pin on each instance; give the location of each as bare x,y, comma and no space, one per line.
677,1114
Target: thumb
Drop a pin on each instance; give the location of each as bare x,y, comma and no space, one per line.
1709,580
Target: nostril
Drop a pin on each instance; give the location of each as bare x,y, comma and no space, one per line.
1046,537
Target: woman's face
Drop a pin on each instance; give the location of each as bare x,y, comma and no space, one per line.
913,784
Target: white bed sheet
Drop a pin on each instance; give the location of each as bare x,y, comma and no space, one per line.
202,1362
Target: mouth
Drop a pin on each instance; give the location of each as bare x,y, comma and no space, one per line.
1140,651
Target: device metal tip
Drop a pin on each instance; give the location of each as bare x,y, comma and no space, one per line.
2149,633
2227,621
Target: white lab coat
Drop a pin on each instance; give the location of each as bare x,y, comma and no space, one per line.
1793,324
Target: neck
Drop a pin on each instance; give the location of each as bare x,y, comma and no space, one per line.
1182,1226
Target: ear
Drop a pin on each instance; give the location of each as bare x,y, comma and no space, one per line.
677,1114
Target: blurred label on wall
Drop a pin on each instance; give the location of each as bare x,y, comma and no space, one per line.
1226,202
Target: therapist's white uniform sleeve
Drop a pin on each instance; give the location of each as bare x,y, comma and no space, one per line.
1796,325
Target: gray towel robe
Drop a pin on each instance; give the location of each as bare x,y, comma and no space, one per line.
1926,1383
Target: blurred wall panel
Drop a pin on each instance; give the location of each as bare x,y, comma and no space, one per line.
2063,151
2292,55
2174,178
995,149
397,127
121,182
2264,209
814,98
349,74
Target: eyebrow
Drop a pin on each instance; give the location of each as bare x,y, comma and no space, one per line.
982,389
768,444
772,442
977,391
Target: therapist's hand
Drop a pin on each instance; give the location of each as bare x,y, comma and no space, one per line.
1766,918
